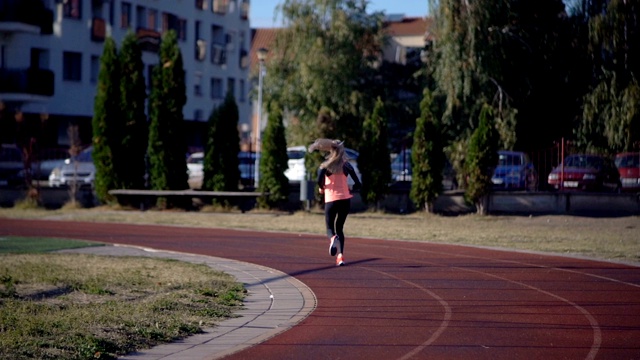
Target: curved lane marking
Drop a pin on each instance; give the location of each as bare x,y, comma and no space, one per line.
443,324
597,332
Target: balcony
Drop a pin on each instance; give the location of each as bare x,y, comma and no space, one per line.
149,40
26,84
218,54
27,16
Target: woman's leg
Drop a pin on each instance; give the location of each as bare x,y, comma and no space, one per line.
342,210
330,213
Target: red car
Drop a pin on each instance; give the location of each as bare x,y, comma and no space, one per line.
586,172
629,168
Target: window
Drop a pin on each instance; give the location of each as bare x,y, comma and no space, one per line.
39,58
125,15
231,86
244,9
216,88
149,78
152,19
229,40
220,6
95,69
218,51
197,85
72,66
141,17
172,22
201,45
72,9
241,91
201,4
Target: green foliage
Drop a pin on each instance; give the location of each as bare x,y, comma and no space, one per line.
321,60
374,162
220,168
427,157
106,116
611,110
482,159
130,160
167,143
274,162
512,55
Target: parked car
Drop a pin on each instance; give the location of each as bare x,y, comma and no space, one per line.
246,165
47,160
628,165
401,171
514,171
77,169
297,170
585,172
11,166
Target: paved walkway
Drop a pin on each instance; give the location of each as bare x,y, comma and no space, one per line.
274,303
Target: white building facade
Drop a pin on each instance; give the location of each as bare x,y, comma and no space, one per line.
50,56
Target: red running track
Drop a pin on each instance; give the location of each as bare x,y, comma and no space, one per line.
412,300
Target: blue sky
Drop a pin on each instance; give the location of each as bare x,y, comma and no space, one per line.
261,13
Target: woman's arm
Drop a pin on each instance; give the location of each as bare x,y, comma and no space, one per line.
320,180
348,169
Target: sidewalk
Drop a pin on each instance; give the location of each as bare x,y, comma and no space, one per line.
275,302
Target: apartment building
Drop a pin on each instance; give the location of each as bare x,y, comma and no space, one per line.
50,58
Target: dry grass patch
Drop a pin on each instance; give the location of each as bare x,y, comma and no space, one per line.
613,238
71,306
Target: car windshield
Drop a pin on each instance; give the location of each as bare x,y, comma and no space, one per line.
84,156
583,162
295,154
627,161
509,160
10,155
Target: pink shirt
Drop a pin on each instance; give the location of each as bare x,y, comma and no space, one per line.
336,188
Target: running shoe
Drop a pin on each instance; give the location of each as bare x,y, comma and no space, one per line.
340,260
335,242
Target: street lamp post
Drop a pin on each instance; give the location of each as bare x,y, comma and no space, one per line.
262,53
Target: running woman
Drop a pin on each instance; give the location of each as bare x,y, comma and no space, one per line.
332,181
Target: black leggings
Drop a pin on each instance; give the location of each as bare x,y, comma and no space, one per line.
335,214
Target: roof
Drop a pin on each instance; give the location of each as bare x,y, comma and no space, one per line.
261,38
410,26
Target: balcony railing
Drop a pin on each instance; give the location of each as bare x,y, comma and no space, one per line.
149,40
27,81
27,12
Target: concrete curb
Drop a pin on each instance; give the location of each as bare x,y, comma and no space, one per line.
275,302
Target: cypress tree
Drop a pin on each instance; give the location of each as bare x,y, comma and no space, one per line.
167,144
374,162
274,162
481,160
221,165
106,115
130,159
427,157
212,177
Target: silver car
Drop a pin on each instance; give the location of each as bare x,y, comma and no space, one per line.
78,170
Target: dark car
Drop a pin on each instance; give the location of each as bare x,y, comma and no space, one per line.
401,171
586,172
629,168
514,171
11,166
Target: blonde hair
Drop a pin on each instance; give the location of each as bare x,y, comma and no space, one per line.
335,159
